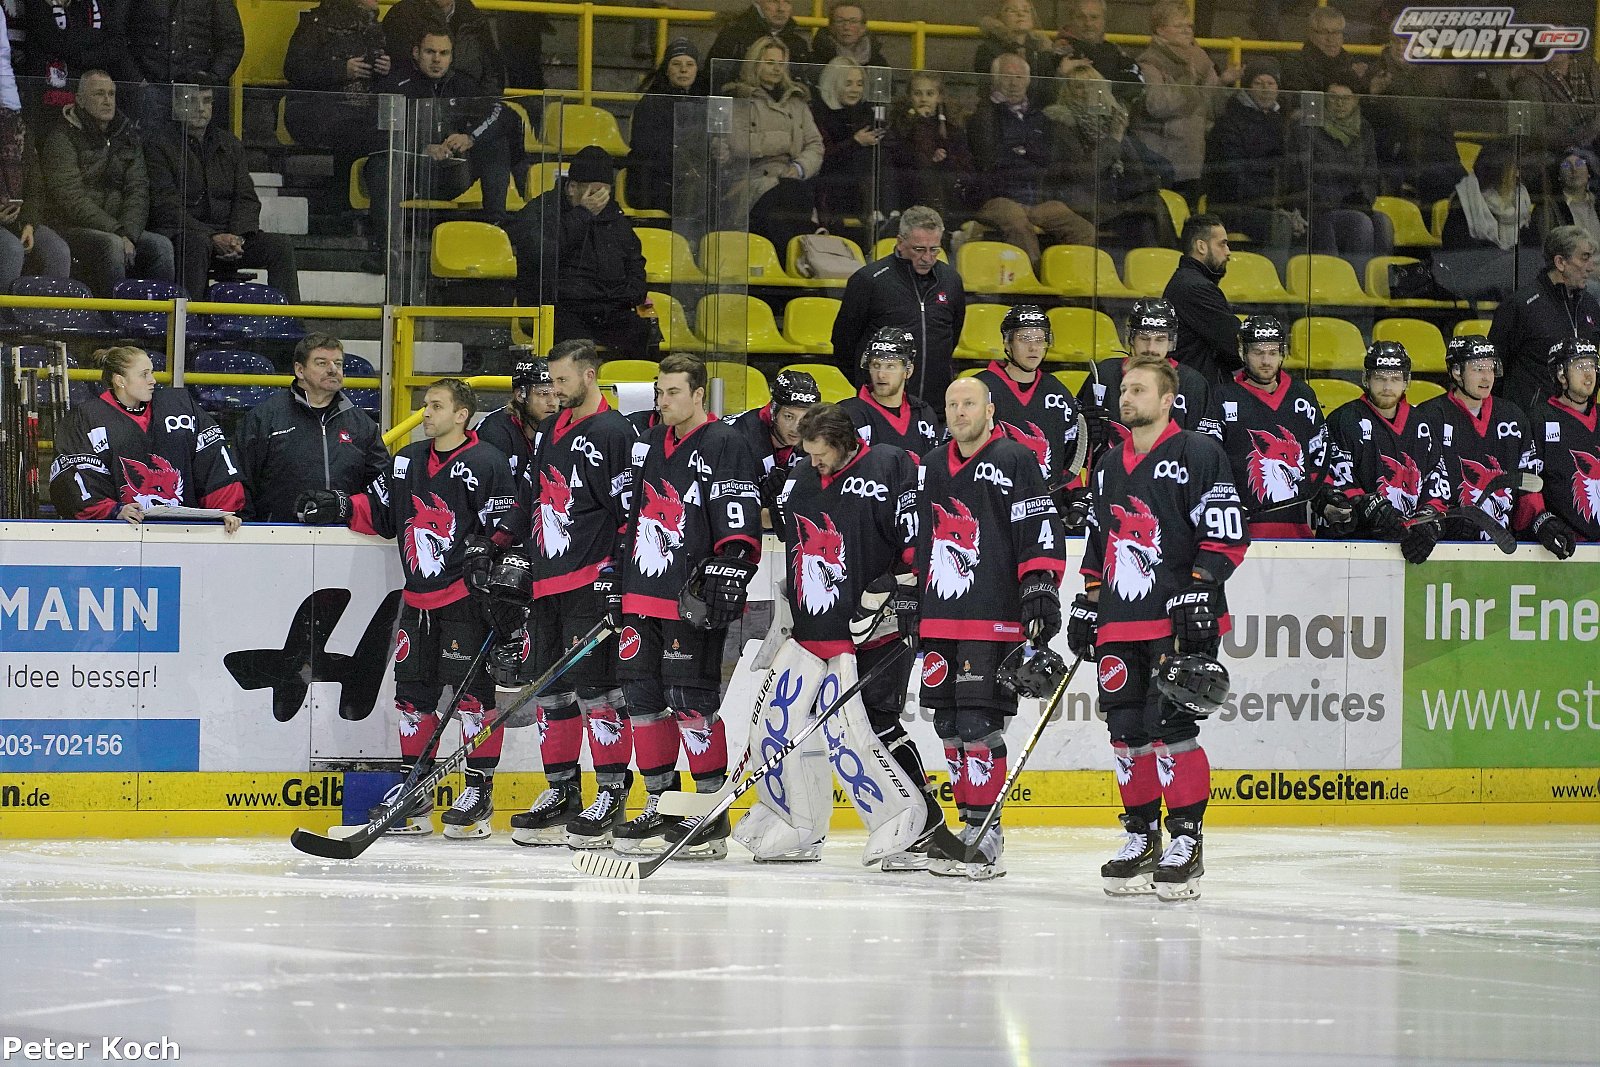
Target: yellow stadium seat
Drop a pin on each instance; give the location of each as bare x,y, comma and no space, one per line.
1072,379
791,262
980,333
1177,209
1472,328
285,138
1424,343
1081,335
744,386
613,371
1468,153
808,322
1378,284
1410,231
471,250
535,326
1321,343
621,191
530,131
970,372
572,127
542,178
1252,279
1082,271
676,336
1441,212
737,322
1325,280
1333,393
1148,270
997,267
745,259
831,381
1420,392
360,199
667,258
886,245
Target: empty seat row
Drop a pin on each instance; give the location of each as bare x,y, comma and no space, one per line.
1324,343
67,320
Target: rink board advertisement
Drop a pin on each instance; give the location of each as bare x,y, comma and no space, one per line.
230,681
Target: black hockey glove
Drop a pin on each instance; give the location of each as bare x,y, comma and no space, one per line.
724,582
1195,613
1555,535
1074,504
1098,421
1336,510
1041,608
908,608
323,507
1083,620
1416,544
608,593
1380,517
477,563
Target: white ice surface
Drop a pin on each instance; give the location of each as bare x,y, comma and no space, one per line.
1309,947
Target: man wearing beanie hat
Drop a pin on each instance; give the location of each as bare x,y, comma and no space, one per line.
1246,152
577,250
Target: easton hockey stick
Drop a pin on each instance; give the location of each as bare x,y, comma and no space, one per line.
613,866
346,848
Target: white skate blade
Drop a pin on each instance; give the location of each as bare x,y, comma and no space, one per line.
706,850
1178,891
983,872
898,862
413,827
580,842
639,846
947,868
809,854
546,836
1140,885
472,832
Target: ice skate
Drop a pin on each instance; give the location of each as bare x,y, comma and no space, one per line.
1130,873
595,825
417,822
915,857
989,862
468,818
546,822
712,842
645,833
811,853
1178,875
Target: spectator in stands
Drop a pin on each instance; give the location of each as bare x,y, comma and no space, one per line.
1335,172
927,149
1564,88
476,56
65,39
776,145
521,35
851,136
1181,95
577,250
1412,126
193,42
27,245
1491,207
203,200
762,19
338,50
308,436
909,288
1083,36
1322,60
1556,306
1247,161
655,162
1011,156
1012,31
846,35
1095,169
1573,202
99,190
1208,330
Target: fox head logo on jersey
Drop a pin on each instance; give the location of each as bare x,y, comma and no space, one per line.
1586,485
159,483
1402,485
1474,478
429,533
1277,465
554,531
819,559
1036,441
953,564
660,531
1133,545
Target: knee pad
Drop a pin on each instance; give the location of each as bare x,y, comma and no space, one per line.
556,706
981,727
645,699
693,701
606,712
944,724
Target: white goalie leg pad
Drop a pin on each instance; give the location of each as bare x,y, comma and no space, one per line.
795,800
782,629
891,807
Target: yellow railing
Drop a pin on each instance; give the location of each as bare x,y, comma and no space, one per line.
402,417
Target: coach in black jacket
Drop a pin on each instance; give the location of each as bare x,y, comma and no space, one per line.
309,436
1208,330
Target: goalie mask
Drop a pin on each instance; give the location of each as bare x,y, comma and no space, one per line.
1196,684
1032,673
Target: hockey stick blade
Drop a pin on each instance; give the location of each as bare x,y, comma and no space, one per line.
1485,523
602,864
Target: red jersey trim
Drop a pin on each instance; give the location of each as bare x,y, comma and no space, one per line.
651,607
1280,531
671,441
953,452
1057,567
1274,399
1480,421
861,450
361,515
971,630
565,421
1023,397
755,546
1402,414
827,649
1588,418
104,508
565,583
901,422
1131,459
1147,629
436,460
439,597
141,420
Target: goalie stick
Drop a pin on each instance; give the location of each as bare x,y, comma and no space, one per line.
612,866
347,848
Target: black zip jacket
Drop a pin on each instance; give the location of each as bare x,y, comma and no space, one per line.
1208,332
285,445
889,292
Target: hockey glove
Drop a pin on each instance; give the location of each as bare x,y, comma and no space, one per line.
1083,619
608,594
1041,607
724,582
1098,420
1074,505
908,608
873,616
1555,535
1195,613
477,562
1338,511
1380,517
1416,544
323,507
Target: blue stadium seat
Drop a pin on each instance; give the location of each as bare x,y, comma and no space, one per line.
63,321
251,327
368,400
153,324
218,398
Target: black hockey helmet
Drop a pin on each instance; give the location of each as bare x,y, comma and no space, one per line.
528,369
1387,355
1462,350
1262,330
1152,316
794,389
1568,349
891,342
1025,317
1196,684
1031,672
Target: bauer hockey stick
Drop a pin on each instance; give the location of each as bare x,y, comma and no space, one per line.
334,848
946,845
612,866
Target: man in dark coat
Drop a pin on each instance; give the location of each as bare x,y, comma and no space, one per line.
1556,306
477,53
763,18
1322,60
337,58
1208,330
1246,152
846,35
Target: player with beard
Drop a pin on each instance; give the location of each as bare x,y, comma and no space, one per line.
772,432
432,498
1386,458
1152,328
884,412
1567,436
1272,429
1166,533
694,536
990,556
1482,436
533,399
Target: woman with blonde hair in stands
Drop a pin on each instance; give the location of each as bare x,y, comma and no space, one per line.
136,446
1095,170
1013,28
850,141
774,147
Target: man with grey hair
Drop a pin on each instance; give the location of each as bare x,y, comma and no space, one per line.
1322,60
1083,36
910,288
846,35
1557,305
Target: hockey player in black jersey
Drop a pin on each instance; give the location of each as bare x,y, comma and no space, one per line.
1387,458
1167,532
694,537
990,555
1566,432
1483,437
884,411
772,433
1271,427
1152,330
533,399
432,498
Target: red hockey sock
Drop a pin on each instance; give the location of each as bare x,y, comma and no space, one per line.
560,740
610,739
954,762
1136,776
706,745
985,775
1185,774
415,729
655,743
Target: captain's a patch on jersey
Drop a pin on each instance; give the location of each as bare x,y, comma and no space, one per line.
1471,34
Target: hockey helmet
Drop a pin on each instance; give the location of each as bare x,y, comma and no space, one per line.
794,389
511,581
891,342
1385,356
1025,317
1152,316
1459,351
1262,330
1568,349
1030,672
528,369
1196,684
